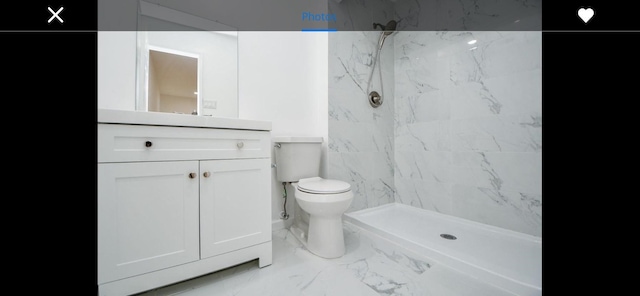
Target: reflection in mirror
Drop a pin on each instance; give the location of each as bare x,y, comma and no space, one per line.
188,40
173,82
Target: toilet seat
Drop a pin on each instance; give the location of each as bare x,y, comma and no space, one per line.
317,185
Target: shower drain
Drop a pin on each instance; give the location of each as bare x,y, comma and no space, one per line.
448,236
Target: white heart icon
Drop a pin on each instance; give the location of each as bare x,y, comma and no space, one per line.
585,14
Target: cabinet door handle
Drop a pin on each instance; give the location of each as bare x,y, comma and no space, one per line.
192,175
148,143
240,144
206,174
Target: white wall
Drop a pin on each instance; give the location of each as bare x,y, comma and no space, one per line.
284,79
117,70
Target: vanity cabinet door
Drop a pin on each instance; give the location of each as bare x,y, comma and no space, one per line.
235,204
148,217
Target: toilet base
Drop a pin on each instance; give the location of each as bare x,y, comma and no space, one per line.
326,237
299,234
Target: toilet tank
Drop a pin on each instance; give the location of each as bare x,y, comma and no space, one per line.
297,157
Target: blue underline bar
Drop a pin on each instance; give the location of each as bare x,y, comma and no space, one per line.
320,30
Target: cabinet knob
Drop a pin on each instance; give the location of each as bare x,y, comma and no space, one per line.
148,143
240,144
206,174
192,175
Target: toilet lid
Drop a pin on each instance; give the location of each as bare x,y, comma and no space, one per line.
319,185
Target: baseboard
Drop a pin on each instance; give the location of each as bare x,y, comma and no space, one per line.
281,224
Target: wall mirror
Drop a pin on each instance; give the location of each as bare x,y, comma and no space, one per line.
184,65
172,81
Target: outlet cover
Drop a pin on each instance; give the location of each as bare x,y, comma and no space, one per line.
210,104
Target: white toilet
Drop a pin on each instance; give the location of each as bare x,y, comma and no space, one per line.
324,200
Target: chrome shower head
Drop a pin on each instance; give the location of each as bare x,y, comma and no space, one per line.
390,27
387,30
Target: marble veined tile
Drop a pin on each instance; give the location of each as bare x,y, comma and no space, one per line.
359,14
424,194
519,172
423,136
351,56
442,15
351,106
498,133
518,211
347,137
515,52
424,165
468,116
355,169
504,95
381,191
370,266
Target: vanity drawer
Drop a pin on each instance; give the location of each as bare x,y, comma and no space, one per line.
123,143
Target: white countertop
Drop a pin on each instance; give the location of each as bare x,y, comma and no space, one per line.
185,120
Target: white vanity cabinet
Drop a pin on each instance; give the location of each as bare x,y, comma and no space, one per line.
179,202
147,217
234,212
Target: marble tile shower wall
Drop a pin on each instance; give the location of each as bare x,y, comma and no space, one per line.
468,15
460,131
360,148
468,125
356,15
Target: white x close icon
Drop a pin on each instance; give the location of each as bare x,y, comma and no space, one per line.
55,14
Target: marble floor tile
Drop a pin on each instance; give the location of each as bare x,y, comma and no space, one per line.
370,266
